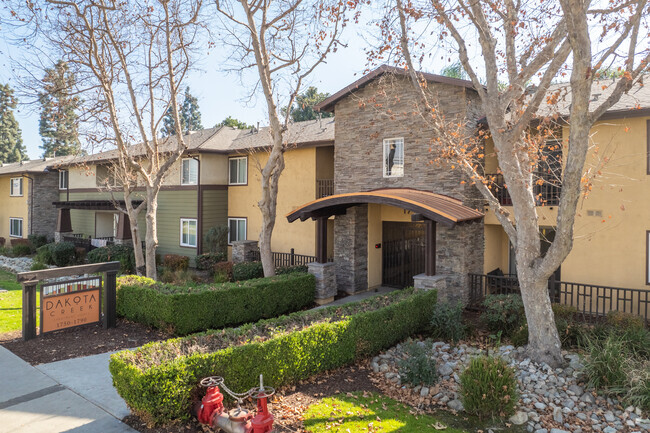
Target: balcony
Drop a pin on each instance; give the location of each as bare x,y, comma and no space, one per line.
547,189
324,188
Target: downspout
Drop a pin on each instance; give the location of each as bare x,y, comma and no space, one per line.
199,210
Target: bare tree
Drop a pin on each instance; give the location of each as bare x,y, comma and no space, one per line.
130,59
520,43
284,41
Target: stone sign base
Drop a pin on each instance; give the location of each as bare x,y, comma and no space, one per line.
439,283
325,274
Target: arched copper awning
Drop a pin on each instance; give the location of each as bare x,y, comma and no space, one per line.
435,207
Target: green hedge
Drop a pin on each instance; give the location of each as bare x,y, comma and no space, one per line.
159,379
192,309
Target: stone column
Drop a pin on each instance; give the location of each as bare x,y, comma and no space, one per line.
242,251
351,249
325,274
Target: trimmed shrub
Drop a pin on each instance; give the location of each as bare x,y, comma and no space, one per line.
191,309
44,254
488,387
447,322
158,380
503,313
135,280
417,368
37,240
37,266
291,269
114,253
21,250
625,321
223,272
606,364
176,262
207,262
63,254
216,240
247,271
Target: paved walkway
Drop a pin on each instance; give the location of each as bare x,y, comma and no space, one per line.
65,396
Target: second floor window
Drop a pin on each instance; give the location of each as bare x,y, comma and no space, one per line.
393,157
16,187
105,177
63,179
238,170
189,171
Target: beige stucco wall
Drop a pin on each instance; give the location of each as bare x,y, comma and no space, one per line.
214,169
377,214
609,249
13,207
297,186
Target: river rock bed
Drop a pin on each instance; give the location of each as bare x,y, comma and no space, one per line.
550,400
15,264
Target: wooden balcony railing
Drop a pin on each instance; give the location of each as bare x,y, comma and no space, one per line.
324,187
547,191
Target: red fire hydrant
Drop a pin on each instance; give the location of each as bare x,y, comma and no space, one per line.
237,420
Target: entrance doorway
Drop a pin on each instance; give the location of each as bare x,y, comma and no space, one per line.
403,252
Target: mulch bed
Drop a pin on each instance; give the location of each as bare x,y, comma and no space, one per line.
83,341
288,404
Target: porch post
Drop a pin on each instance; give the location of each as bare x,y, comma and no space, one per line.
123,227
63,224
321,240
430,248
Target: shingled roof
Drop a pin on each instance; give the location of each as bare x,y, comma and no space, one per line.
35,166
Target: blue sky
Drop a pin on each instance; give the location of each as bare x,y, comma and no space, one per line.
220,94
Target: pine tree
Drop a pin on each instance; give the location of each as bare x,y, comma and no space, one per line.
303,109
189,114
11,142
233,123
59,126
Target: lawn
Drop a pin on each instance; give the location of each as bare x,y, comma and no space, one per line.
10,303
365,412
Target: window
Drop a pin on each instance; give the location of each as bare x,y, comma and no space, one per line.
105,176
236,229
16,227
238,170
394,157
188,232
16,186
63,179
189,171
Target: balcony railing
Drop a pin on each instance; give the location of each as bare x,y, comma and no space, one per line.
281,260
324,187
591,301
547,189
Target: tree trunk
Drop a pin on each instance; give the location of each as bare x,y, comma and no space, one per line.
140,268
543,339
266,255
152,233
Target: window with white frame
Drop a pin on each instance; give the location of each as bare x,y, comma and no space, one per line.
238,170
63,179
189,171
188,232
16,186
236,229
16,227
393,157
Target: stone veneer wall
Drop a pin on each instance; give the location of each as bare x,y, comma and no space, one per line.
388,108
42,214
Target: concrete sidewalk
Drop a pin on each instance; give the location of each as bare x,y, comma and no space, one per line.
32,401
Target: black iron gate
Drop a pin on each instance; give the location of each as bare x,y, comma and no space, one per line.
403,251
